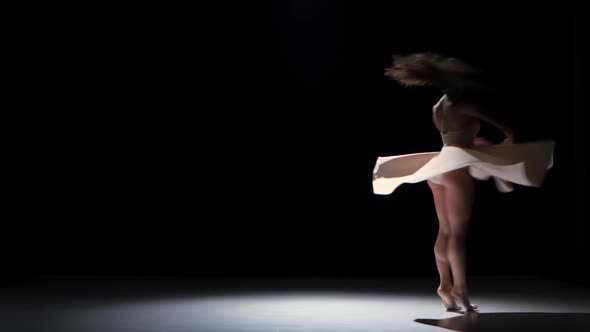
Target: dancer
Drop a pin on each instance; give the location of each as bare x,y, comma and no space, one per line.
450,172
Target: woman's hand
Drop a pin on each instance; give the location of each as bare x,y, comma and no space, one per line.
481,142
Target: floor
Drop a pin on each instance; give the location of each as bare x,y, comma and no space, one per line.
82,304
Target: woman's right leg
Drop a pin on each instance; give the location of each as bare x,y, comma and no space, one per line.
459,190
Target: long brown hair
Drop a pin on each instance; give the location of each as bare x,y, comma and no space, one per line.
456,78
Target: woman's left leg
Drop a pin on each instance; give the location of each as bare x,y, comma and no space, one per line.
440,247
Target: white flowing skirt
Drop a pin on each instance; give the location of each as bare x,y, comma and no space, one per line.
523,163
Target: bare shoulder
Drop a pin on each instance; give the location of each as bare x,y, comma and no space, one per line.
442,103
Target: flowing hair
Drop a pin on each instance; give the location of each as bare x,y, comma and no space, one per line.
457,78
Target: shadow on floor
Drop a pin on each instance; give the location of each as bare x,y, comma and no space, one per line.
513,321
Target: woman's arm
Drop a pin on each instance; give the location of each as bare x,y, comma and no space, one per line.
479,141
473,111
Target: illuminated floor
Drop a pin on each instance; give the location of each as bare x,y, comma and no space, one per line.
287,305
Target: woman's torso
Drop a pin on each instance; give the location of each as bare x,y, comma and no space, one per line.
455,129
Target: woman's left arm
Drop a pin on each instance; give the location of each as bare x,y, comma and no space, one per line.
473,111
478,141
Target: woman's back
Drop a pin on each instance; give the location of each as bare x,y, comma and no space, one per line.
456,129
446,117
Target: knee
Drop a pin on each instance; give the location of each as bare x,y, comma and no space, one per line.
457,236
460,218
444,231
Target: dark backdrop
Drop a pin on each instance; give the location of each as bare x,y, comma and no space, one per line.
239,138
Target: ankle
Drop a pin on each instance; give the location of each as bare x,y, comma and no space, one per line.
460,290
445,287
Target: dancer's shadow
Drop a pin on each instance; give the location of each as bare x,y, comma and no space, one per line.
513,321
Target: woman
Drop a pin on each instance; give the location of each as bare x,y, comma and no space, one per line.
450,173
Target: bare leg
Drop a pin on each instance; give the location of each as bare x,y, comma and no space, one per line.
441,247
459,189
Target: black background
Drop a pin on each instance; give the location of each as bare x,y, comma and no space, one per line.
239,138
